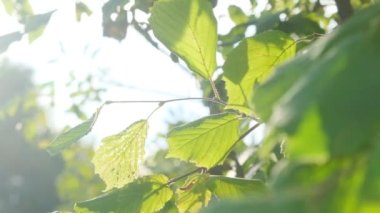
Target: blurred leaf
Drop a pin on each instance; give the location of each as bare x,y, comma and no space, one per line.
115,21
81,8
116,160
237,15
8,6
266,21
193,195
335,80
71,136
236,34
144,5
205,142
251,62
146,195
187,28
226,187
302,25
35,25
7,39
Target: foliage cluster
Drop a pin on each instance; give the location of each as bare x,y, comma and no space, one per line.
313,90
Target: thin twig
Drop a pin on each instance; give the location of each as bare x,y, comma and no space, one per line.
162,102
173,180
241,138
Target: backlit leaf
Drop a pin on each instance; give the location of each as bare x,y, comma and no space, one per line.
117,159
193,195
251,62
144,195
205,142
226,187
71,136
187,28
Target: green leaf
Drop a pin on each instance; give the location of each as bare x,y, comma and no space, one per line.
117,159
335,80
205,142
8,6
71,136
193,195
6,40
187,28
251,62
35,25
226,187
237,15
81,8
146,195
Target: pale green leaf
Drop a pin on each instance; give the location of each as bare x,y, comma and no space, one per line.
226,187
8,6
71,136
144,195
251,62
118,157
35,25
81,8
187,28
6,40
193,195
205,142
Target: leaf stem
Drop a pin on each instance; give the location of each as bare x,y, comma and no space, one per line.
173,180
215,90
241,138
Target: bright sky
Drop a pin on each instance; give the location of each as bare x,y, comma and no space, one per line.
67,46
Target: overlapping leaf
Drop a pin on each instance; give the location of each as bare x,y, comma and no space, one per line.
146,195
117,159
187,28
226,187
205,142
329,91
71,136
251,62
194,195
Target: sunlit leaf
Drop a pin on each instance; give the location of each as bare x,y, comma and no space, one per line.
226,187
145,195
237,15
193,195
117,159
6,40
187,28
251,62
205,142
71,136
335,80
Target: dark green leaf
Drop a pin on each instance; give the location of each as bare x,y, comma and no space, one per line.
334,82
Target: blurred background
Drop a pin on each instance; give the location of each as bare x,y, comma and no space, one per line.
60,60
